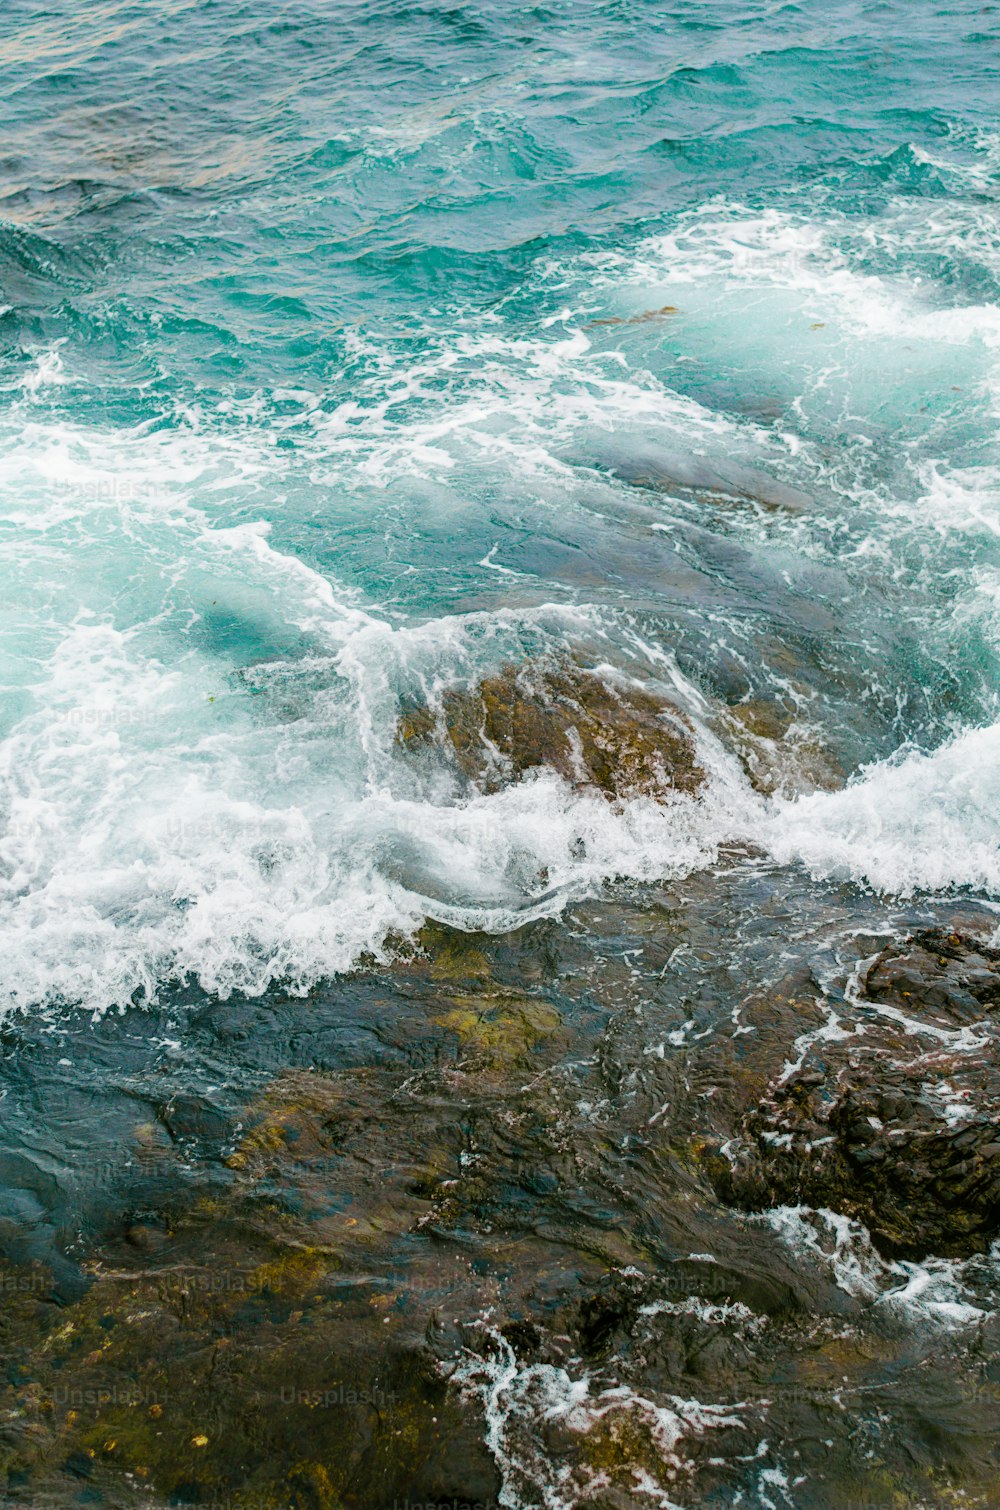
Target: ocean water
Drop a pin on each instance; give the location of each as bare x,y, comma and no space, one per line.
324,383
351,353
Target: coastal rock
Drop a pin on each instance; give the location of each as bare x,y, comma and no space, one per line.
779,754
596,732
896,1122
489,1208
952,976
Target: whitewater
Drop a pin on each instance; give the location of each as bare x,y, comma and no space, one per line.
201,779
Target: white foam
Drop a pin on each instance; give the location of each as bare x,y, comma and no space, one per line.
958,499
163,824
840,316
726,1313
164,820
149,837
47,369
937,1290
921,822
826,262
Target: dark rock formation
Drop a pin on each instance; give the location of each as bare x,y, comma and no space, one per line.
478,1180
896,1124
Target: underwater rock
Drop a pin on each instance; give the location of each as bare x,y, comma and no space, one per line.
645,317
615,737
779,754
895,1123
669,471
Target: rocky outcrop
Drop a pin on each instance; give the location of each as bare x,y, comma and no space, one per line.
897,1121
471,1189
596,732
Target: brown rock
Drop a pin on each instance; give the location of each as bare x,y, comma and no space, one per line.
894,1128
623,740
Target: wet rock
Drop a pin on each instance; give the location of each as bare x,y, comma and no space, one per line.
779,754
952,975
595,732
189,1116
895,1120
515,1188
146,1238
505,1030
524,1337
606,1313
274,1358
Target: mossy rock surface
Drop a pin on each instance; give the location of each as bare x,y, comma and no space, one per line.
594,730
516,1157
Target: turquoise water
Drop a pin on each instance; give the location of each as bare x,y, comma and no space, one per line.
349,352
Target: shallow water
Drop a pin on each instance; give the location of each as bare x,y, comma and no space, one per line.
349,354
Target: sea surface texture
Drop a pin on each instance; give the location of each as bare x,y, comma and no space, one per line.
405,406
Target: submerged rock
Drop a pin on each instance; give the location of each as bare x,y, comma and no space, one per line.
646,317
671,471
895,1119
613,736
779,754
473,1255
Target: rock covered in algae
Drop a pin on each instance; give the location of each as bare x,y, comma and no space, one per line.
896,1122
595,731
491,1208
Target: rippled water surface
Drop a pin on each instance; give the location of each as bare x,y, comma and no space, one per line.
355,353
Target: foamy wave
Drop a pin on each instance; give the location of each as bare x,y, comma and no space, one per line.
170,816
922,823
822,258
145,842
201,779
943,1291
